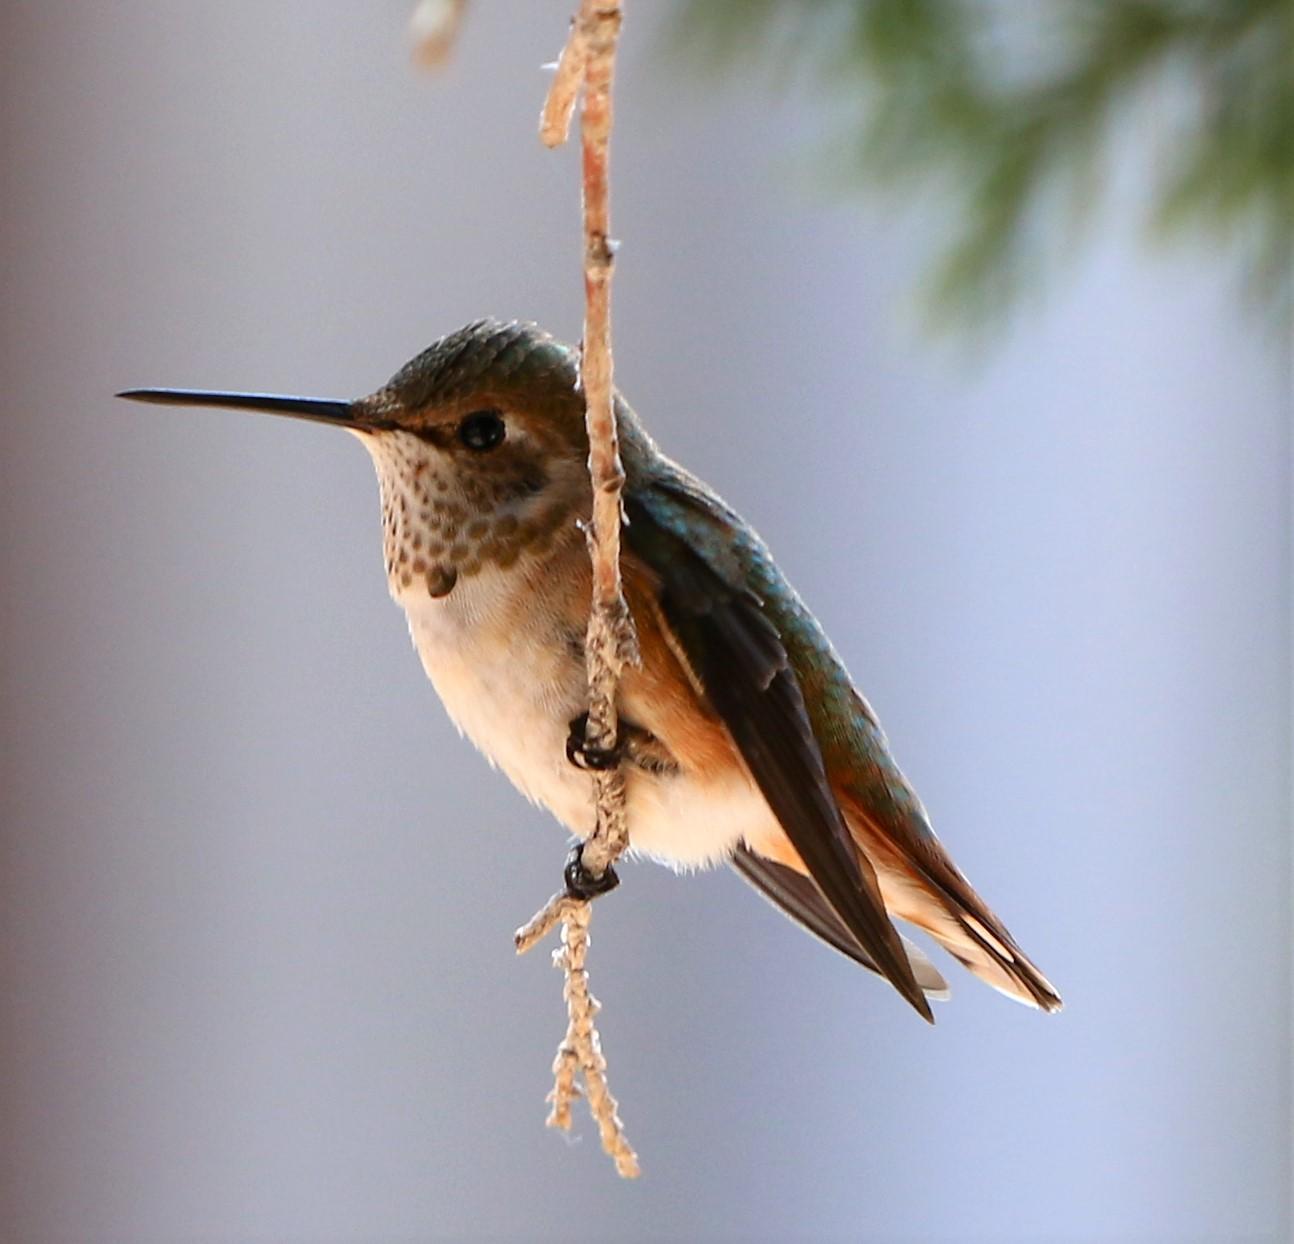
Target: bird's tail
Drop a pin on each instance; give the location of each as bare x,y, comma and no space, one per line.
924,887
974,937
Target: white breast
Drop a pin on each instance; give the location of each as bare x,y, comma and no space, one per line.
511,687
514,687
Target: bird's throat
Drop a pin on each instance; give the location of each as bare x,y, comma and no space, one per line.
441,526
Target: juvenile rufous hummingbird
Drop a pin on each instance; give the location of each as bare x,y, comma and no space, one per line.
742,737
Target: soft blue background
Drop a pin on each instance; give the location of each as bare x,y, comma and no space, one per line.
256,897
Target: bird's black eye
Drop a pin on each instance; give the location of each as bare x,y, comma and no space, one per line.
482,430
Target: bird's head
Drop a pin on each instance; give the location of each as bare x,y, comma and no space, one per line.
479,444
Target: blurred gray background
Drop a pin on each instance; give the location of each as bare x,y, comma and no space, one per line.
256,897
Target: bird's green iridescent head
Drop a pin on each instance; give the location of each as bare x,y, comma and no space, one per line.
509,359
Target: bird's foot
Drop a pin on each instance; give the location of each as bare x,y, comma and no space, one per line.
583,756
583,884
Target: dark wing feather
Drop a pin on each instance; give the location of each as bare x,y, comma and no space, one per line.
797,897
738,657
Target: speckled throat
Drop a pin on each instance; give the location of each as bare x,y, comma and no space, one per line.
445,516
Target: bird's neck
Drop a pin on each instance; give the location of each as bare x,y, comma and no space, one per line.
436,533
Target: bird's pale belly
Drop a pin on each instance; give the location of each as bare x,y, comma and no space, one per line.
512,681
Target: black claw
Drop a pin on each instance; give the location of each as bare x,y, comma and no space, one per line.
581,883
582,756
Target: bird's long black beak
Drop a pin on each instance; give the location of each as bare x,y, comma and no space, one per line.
316,409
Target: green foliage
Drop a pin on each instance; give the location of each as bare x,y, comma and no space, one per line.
1009,109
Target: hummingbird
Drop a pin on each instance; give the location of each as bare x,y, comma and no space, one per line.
741,735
